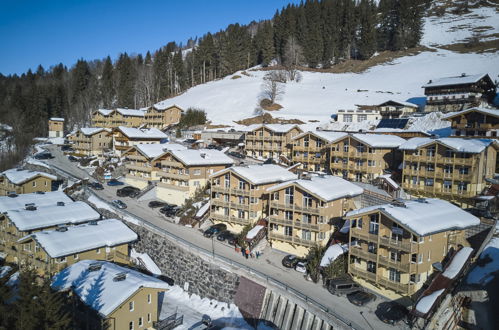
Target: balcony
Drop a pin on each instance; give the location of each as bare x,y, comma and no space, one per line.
404,245
175,176
242,192
295,207
226,218
170,163
219,189
135,157
320,227
359,233
239,206
395,286
138,168
172,186
292,239
389,263
362,273
220,203
358,252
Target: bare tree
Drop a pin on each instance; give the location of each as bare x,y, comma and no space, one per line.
273,87
144,86
293,53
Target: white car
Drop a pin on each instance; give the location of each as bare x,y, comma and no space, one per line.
301,267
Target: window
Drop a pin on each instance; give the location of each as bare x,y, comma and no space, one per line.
276,196
97,251
429,255
395,256
321,236
361,118
449,153
374,224
75,256
306,218
321,219
305,234
196,184
289,195
288,231
347,118
307,200
34,183
242,185
429,182
148,317
371,267
430,168
430,152
448,169
197,172
240,214
254,200
345,146
241,200
131,306
371,163
141,322
306,141
463,170
371,247
420,258
61,260
394,275
462,186
149,298
227,180
288,215
131,325
415,278
414,258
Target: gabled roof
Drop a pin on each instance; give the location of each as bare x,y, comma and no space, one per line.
77,239
154,150
163,105
142,133
98,289
405,104
57,119
191,157
260,174
490,112
93,130
104,112
379,140
278,128
424,216
457,80
18,176
475,146
39,199
52,215
324,135
326,188
130,112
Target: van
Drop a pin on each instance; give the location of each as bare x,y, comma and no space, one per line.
342,286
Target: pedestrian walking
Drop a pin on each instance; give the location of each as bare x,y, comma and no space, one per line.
257,254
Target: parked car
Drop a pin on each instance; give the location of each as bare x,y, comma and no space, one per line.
172,211
67,148
225,236
215,229
341,286
128,191
155,204
166,208
44,155
72,158
360,298
391,312
96,186
114,182
119,204
290,261
211,146
301,267
237,155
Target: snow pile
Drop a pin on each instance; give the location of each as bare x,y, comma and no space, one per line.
33,161
488,265
458,262
146,260
424,305
4,270
332,252
430,122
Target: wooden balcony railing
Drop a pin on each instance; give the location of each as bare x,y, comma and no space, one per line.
292,239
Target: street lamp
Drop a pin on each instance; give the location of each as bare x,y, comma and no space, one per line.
213,245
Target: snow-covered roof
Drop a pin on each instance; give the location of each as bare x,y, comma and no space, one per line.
485,111
332,252
76,239
325,135
131,112
254,231
457,80
105,112
111,293
163,105
424,216
39,199
278,128
142,133
153,150
407,104
202,157
457,262
388,178
203,209
458,144
57,119
261,174
326,187
52,215
17,176
92,130
379,140
424,304
147,261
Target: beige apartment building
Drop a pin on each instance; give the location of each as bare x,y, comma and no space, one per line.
475,123
118,117
239,196
270,140
393,247
453,169
127,299
139,165
311,150
103,118
183,172
91,141
50,251
56,127
301,212
18,181
162,117
126,137
364,157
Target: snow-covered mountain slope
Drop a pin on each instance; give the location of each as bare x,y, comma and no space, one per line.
318,95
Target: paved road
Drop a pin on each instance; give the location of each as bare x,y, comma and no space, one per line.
269,263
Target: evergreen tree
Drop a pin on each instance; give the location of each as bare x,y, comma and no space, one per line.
107,84
367,34
27,306
55,314
125,71
265,44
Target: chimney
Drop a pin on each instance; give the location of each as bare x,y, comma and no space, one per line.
94,266
119,277
203,155
60,203
463,74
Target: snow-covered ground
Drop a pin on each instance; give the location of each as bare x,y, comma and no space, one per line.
484,274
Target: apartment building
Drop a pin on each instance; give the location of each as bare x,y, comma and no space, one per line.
364,157
453,169
393,109
139,165
126,137
458,93
311,149
301,212
475,122
91,141
270,140
393,247
50,251
357,115
126,299
162,116
19,181
103,118
182,172
118,117
239,196
56,127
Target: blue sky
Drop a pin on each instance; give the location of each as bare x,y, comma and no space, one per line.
48,32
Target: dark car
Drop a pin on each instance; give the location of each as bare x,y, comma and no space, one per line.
72,159
155,204
215,229
341,286
211,146
119,204
67,148
225,236
114,182
237,155
391,312
290,261
128,191
96,186
44,155
360,298
166,208
269,161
